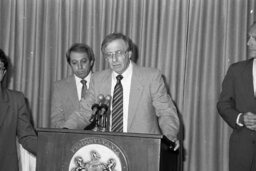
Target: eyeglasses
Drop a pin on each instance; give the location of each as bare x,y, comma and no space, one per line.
117,54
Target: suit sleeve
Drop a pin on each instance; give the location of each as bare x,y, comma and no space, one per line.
25,130
57,115
226,104
165,109
80,119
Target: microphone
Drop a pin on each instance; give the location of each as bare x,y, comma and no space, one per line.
105,105
100,98
96,107
107,99
103,118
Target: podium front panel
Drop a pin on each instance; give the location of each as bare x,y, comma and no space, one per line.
71,150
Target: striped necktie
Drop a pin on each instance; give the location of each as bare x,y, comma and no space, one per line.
84,88
117,106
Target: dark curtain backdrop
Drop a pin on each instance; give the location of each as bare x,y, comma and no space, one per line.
192,42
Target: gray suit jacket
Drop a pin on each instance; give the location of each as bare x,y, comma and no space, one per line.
151,109
15,121
64,101
237,96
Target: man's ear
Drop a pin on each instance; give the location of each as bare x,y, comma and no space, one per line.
130,54
92,63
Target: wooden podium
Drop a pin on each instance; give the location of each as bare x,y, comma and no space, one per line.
79,150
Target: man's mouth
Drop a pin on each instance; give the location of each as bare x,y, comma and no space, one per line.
116,65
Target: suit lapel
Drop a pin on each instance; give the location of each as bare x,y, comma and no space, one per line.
135,94
74,95
248,78
4,107
105,84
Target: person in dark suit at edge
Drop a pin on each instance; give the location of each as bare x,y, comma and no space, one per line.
15,121
146,105
237,106
68,92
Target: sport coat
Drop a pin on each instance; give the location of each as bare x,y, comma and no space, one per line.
64,101
237,96
151,109
14,121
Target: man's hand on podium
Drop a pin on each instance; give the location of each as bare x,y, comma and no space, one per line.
177,145
174,144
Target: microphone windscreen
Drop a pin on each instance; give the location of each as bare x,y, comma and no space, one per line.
100,98
107,98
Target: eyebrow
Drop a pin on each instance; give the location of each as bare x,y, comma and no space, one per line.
115,51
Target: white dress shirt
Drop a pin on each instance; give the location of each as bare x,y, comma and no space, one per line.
254,76
79,84
126,83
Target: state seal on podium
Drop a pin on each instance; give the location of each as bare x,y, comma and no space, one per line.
97,154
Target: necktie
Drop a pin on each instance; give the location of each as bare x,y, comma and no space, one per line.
84,88
117,106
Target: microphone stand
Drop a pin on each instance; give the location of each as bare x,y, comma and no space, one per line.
102,119
100,116
94,118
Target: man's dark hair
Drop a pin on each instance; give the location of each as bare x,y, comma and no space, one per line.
83,48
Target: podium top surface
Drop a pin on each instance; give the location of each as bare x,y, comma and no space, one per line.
79,131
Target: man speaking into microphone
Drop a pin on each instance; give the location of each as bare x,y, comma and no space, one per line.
140,103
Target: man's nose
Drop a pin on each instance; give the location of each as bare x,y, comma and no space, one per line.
80,65
114,57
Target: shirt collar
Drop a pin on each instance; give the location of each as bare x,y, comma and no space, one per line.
87,78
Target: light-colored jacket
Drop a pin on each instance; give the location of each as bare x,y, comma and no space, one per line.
151,109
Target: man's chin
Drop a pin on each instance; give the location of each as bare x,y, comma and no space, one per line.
81,76
252,54
117,69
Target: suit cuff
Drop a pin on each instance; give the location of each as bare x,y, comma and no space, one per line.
69,125
238,120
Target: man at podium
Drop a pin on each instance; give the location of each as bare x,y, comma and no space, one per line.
139,99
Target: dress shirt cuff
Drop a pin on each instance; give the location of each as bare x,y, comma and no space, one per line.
238,120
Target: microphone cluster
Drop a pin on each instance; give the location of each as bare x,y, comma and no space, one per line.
100,113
